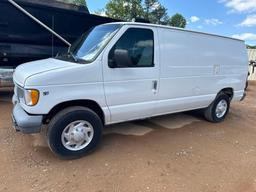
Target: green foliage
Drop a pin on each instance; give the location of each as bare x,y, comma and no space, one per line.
151,10
124,10
155,12
177,20
251,47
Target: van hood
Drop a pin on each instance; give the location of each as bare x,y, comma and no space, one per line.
26,70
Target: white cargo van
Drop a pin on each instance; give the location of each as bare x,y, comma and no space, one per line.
125,71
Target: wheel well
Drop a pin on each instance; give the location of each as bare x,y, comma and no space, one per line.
228,91
84,103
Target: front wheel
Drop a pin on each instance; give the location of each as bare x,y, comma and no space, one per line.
74,132
219,109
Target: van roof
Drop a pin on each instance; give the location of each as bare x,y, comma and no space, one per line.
174,28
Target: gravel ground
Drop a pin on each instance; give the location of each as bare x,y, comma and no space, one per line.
179,152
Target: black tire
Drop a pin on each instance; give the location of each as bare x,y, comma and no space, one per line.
209,112
246,85
63,119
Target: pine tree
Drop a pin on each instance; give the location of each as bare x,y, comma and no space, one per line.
177,20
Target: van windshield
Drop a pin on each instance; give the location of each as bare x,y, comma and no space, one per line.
91,43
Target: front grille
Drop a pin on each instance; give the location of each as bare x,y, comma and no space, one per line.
18,91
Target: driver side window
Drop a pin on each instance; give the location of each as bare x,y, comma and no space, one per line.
134,49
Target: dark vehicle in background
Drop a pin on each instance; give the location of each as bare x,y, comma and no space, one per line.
23,40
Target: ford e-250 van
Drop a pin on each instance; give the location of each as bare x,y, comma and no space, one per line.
125,71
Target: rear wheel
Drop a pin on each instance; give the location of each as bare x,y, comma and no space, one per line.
219,109
74,132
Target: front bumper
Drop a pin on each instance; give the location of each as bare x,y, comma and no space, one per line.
24,122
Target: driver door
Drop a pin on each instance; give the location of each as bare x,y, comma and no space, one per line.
131,73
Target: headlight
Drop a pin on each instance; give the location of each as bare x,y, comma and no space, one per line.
31,97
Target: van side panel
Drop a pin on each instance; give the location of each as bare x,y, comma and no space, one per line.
195,67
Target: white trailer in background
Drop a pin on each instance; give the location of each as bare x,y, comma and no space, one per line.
126,71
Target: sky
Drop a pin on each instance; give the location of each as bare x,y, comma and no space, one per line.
232,18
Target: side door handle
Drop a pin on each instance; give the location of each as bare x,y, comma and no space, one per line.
154,86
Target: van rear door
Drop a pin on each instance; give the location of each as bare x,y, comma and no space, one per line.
131,73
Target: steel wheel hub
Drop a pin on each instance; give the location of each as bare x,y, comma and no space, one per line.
221,108
77,135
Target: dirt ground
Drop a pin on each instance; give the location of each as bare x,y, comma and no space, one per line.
175,153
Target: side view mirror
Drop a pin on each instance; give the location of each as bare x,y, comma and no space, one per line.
120,59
